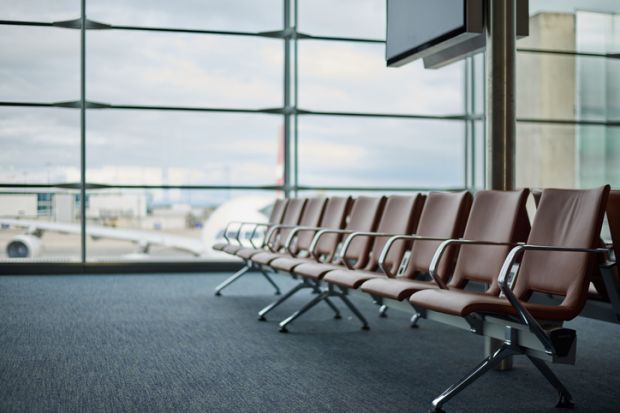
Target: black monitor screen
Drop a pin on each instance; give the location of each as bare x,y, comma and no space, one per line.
415,25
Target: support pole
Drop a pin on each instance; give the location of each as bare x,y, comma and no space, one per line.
287,99
83,132
500,29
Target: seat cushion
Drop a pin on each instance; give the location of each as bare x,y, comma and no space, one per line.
232,249
247,253
462,303
315,270
220,246
266,257
395,288
287,264
350,278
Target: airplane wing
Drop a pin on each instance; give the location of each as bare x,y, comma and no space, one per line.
143,238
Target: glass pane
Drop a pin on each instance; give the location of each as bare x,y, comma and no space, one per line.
598,79
39,145
550,31
340,76
235,15
40,10
39,225
479,151
367,152
598,86
168,224
555,24
567,156
346,18
547,86
545,156
39,64
568,87
479,84
182,148
184,70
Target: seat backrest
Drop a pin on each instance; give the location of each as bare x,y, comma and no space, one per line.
365,216
313,212
613,218
400,216
496,216
613,221
444,216
335,215
292,215
565,218
277,211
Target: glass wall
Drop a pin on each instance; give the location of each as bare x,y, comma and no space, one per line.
568,95
168,119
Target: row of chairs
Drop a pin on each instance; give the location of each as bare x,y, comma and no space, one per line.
470,261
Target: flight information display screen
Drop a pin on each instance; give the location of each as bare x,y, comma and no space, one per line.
416,25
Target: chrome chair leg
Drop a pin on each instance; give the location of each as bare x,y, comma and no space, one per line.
272,282
383,311
414,320
231,279
486,365
566,400
329,302
286,296
353,308
320,297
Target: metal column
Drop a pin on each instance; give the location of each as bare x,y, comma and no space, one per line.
287,98
500,28
83,131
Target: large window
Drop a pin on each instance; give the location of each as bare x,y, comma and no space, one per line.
156,114
568,95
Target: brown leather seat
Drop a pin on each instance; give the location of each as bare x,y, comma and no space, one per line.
275,217
598,290
397,288
334,216
462,303
364,216
400,216
444,216
565,218
287,264
311,218
292,215
557,260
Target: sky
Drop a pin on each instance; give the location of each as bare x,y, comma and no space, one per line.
144,68
41,145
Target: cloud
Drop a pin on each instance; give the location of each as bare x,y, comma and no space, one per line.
356,79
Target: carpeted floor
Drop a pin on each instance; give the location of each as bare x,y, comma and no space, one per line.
164,343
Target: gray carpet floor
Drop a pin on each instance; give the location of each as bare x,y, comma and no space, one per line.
164,343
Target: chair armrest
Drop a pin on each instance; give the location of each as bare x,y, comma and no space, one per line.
227,229
318,235
506,287
391,241
289,241
349,239
272,231
444,246
256,226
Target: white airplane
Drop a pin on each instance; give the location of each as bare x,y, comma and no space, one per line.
253,208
